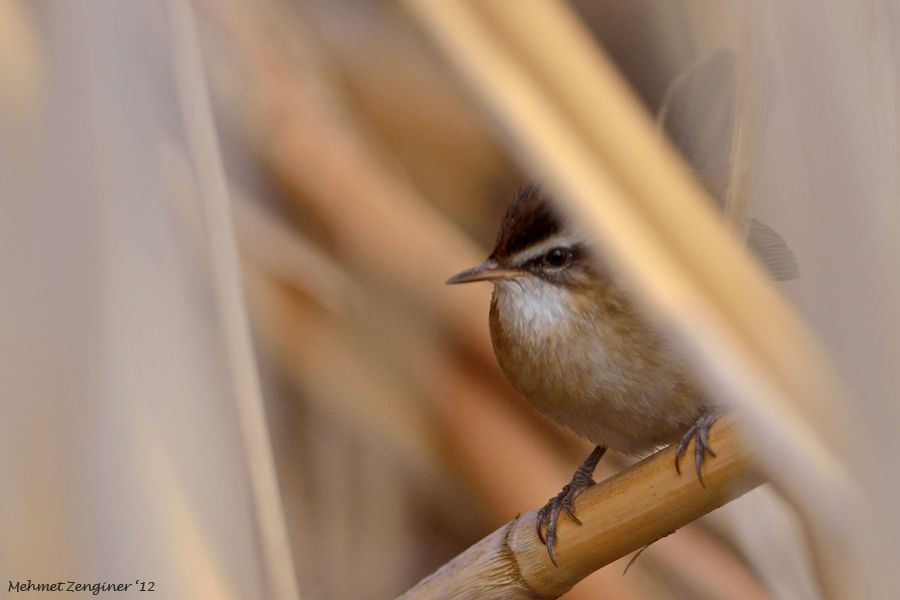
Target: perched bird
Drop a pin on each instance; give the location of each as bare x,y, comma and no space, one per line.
570,340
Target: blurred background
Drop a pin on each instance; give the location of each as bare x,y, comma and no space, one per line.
229,363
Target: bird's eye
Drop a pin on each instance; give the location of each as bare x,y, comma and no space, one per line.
557,257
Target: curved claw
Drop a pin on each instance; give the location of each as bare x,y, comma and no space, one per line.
571,514
548,515
551,531
699,432
539,522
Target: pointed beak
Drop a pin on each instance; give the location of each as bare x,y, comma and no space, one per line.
486,271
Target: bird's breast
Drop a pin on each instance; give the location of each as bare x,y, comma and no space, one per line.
590,364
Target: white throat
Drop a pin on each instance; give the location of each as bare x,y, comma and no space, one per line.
532,307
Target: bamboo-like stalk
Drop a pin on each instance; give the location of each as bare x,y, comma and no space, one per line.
619,515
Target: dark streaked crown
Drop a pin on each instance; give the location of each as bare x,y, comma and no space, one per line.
529,220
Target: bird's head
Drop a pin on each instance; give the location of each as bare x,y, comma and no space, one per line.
545,277
535,246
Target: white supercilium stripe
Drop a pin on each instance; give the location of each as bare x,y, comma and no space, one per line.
559,240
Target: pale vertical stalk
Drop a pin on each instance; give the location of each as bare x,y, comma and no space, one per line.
204,151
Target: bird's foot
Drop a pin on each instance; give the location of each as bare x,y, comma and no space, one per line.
700,432
549,515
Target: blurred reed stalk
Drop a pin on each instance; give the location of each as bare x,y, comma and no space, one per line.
205,152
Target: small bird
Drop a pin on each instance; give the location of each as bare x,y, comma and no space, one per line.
570,341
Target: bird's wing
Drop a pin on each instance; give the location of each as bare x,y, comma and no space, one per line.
698,115
716,134
772,251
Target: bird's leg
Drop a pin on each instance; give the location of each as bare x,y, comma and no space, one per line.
700,431
549,514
